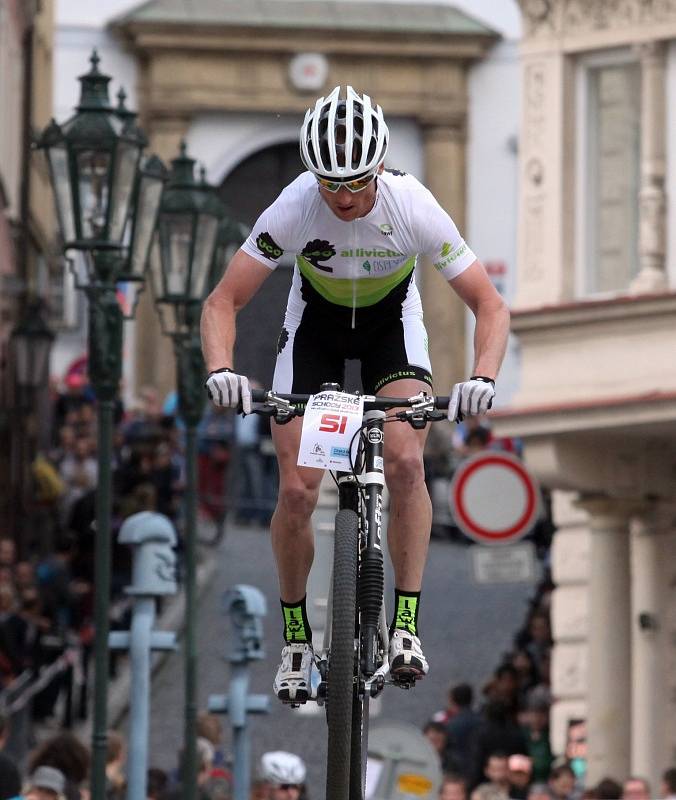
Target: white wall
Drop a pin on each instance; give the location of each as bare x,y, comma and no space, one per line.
73,46
494,92
671,165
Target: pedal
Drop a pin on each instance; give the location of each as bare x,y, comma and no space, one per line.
404,682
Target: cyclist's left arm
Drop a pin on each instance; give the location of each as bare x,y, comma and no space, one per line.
440,240
492,318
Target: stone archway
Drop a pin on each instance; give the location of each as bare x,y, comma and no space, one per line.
236,57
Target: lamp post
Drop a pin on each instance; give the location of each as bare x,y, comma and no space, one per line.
31,343
30,346
179,268
102,187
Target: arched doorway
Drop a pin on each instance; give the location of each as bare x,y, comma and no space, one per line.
247,191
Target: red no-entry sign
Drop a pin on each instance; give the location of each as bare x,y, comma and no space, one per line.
494,499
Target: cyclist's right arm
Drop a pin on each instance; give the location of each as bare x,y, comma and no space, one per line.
275,232
240,282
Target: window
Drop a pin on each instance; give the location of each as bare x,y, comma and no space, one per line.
609,111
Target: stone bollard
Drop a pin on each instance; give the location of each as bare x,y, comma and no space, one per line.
246,606
152,537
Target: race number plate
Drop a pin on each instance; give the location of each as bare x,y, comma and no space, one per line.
330,421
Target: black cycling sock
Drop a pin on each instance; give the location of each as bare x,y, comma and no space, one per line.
406,605
296,625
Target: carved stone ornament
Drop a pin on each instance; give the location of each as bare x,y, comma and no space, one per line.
537,14
543,17
602,14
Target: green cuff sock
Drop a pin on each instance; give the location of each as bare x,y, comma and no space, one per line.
296,625
406,605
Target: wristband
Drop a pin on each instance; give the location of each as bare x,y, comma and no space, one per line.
483,379
222,369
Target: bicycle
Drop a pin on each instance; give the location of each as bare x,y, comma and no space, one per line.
353,662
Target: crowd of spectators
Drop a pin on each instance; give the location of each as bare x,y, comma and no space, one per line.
59,769
46,578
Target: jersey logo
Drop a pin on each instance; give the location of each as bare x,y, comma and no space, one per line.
268,246
386,229
396,172
319,250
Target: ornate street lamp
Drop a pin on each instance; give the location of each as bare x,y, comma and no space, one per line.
30,346
31,343
179,268
106,203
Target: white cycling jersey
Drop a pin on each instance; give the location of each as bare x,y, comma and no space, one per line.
358,263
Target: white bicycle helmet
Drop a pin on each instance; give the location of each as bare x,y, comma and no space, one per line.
279,767
343,139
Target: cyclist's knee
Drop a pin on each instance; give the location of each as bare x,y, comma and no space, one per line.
297,499
404,470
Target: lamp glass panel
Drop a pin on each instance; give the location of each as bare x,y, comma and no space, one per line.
93,168
40,369
57,162
22,360
155,271
31,360
176,235
122,187
150,191
205,240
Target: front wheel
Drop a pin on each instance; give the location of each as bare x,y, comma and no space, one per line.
341,673
360,718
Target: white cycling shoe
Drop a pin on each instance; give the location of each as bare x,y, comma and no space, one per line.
407,661
293,682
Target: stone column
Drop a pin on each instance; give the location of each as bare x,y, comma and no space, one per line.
609,654
154,355
570,615
649,752
652,196
444,311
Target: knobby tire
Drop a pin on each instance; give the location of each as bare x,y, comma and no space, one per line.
342,657
359,734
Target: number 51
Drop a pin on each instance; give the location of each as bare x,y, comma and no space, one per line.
333,423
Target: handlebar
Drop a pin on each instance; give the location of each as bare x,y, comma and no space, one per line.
419,409
371,402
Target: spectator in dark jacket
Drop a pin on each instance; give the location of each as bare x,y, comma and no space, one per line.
497,732
460,729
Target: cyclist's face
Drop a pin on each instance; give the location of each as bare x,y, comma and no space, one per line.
347,205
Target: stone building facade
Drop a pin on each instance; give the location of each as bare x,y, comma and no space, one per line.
595,316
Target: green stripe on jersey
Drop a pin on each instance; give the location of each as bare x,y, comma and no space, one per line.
341,291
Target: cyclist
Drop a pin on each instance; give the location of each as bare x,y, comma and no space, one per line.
284,775
356,230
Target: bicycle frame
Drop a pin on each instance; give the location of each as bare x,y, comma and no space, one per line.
369,511
363,494
357,660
